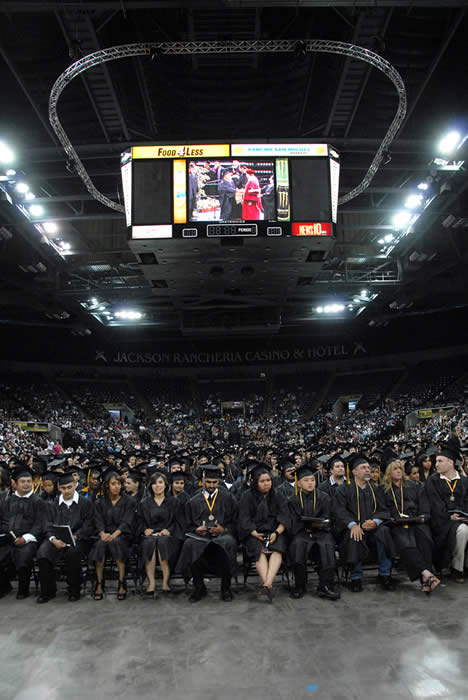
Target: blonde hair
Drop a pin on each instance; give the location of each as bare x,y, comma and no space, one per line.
387,477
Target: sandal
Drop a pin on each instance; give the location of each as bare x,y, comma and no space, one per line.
430,584
99,596
122,596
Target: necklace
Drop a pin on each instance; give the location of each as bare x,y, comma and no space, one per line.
359,506
211,505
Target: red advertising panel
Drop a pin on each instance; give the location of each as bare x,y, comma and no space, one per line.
311,229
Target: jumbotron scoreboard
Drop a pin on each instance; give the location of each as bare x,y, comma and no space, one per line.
219,191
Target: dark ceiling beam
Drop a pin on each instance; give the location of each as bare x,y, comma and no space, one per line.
84,81
257,36
435,62
343,74
12,6
28,95
191,36
366,79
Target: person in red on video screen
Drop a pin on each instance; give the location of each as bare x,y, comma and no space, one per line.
252,205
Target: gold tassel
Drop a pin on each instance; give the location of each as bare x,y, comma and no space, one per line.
295,484
347,473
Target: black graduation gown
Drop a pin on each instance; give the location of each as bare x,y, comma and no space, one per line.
159,517
197,512
109,518
371,505
414,503
444,530
22,516
256,513
286,490
80,517
312,505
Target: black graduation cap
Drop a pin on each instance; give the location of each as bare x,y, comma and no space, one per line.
305,470
285,464
336,458
257,468
389,455
323,459
178,476
357,459
59,462
173,461
65,478
50,476
211,471
407,455
39,464
21,470
135,475
451,448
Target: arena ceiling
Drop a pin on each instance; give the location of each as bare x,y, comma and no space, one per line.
228,97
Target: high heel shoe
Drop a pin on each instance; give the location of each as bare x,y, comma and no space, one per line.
99,596
122,596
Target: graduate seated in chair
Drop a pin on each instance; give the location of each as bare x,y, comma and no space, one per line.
157,523
406,501
263,516
210,545
447,492
311,539
359,513
21,524
78,513
114,518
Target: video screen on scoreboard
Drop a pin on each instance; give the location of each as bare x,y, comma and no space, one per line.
231,190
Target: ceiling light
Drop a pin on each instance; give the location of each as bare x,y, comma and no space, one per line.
413,201
22,187
102,308
6,154
319,309
50,227
29,196
129,315
450,142
423,186
389,238
10,173
36,209
65,246
364,293
381,241
356,300
401,219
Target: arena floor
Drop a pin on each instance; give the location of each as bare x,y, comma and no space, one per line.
376,645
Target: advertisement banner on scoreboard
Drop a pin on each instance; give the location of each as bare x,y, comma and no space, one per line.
312,229
181,151
279,149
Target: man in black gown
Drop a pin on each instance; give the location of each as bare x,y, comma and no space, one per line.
210,545
22,522
311,540
359,512
447,492
77,512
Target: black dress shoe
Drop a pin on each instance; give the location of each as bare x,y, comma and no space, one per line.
73,597
21,595
328,592
226,595
197,594
297,593
457,576
386,583
355,585
44,599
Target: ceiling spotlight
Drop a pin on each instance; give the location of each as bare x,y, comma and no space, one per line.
413,201
357,300
423,186
319,309
129,315
50,227
381,241
94,300
6,154
65,246
450,142
36,209
29,196
364,293
389,238
10,173
22,187
401,219
102,308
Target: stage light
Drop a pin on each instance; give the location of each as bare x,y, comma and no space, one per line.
450,142
129,315
50,227
6,154
389,238
22,187
29,196
413,201
423,186
401,219
36,209
319,309
333,308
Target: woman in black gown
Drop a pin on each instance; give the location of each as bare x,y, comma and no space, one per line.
262,523
114,514
158,525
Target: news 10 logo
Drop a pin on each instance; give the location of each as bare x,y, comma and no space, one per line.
312,229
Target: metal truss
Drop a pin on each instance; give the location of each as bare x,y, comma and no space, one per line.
216,47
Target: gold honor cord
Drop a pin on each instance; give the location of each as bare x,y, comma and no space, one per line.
210,507
358,505
452,497
302,502
402,512
37,486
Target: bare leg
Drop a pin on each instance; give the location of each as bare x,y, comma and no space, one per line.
150,567
121,568
165,573
99,577
262,568
273,565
